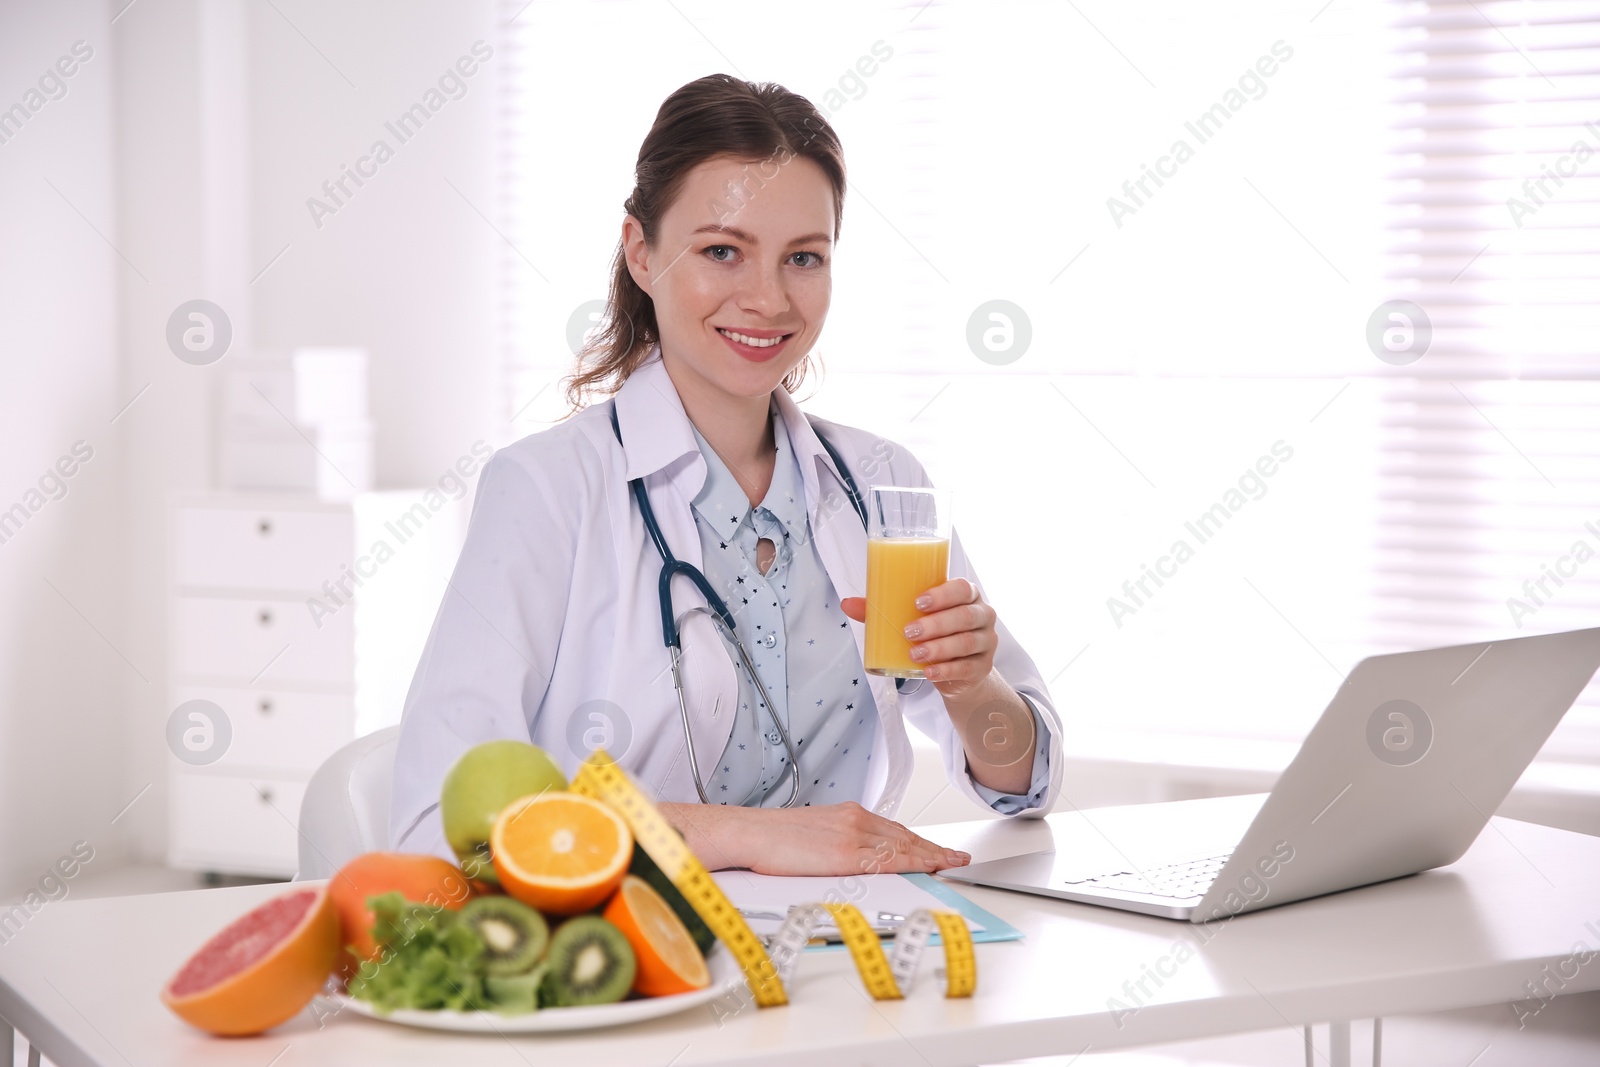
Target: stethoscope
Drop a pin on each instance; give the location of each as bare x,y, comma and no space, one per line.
671,567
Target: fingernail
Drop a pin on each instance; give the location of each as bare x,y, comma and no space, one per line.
913,631
919,653
923,602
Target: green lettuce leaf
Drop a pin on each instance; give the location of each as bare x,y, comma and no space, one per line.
427,959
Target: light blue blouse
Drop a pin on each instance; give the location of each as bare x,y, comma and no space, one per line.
799,639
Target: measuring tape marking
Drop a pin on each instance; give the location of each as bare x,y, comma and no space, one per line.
885,977
960,962
602,779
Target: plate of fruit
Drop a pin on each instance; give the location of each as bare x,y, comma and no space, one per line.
552,920
586,973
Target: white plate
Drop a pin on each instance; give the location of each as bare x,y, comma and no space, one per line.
725,977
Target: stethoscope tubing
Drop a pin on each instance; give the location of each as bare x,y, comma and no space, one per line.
671,567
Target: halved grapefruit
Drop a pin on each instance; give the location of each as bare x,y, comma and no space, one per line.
560,852
260,969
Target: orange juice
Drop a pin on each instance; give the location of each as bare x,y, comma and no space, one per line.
899,569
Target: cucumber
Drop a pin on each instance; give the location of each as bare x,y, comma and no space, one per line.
645,867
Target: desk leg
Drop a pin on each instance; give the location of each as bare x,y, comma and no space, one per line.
8,1043
1339,1043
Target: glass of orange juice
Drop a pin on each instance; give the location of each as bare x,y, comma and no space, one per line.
908,553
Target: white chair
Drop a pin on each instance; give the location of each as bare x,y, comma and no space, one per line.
345,811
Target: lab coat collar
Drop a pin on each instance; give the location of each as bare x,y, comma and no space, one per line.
655,428
657,433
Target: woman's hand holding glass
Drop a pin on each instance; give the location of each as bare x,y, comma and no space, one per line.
954,641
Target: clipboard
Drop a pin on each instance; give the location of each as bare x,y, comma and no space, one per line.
994,927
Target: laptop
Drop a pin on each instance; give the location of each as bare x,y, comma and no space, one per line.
1399,775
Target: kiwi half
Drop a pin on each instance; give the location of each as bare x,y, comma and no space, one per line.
589,962
514,935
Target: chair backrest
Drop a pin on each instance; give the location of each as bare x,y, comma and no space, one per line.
345,811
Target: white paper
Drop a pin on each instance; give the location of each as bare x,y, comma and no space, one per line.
871,893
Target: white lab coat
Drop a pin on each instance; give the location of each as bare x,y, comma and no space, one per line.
550,629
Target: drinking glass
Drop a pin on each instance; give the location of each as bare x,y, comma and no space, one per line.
908,553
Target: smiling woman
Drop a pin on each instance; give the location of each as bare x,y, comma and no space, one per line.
738,307
692,182
764,739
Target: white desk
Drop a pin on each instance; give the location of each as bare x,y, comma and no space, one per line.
81,979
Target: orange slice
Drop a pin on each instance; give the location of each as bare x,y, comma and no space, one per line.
669,960
562,853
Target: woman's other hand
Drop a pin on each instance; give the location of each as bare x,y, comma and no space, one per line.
832,840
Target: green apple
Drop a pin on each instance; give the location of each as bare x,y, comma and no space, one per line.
483,781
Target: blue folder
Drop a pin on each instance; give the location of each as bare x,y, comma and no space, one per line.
994,927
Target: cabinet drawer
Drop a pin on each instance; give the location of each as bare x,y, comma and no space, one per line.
247,825
239,548
277,729
237,638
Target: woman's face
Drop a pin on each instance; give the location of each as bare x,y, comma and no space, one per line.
745,248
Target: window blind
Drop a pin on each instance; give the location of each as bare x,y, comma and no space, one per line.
1489,522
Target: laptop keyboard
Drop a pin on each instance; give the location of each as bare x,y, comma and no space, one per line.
1179,881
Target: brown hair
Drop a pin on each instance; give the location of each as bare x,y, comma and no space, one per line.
718,115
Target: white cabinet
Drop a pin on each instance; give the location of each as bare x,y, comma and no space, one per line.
224,822
277,730
270,547
228,638
300,623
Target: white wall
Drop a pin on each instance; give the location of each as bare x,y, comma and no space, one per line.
189,142
66,652
404,268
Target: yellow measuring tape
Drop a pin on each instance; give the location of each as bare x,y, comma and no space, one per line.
886,977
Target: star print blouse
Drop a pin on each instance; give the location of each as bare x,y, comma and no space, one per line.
799,640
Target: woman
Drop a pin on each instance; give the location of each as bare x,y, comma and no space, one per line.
551,628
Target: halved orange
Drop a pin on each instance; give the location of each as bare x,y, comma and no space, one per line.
562,853
669,960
